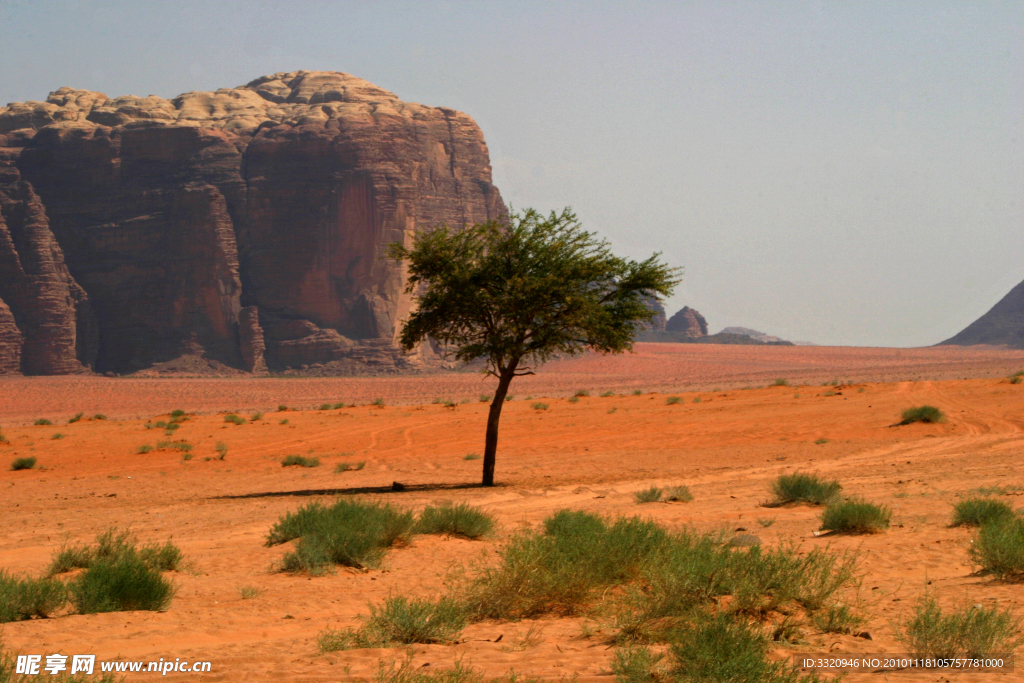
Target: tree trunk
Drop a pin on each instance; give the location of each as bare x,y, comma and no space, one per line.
491,441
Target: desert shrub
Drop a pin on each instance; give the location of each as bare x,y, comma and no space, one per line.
559,569
113,544
804,488
471,456
75,418
188,456
143,449
539,406
836,619
170,428
400,621
339,405
820,441
978,511
781,382
123,583
256,417
856,517
281,408
175,414
346,466
393,672
673,400
222,450
24,598
929,414
183,446
966,632
999,547
697,400
160,424
99,416
42,422
723,649
649,495
234,419
574,399
249,592
581,393
679,494
325,406
449,518
485,398
25,463
283,422
299,461
379,402
350,532
607,394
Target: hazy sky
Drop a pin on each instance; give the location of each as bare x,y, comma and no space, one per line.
843,172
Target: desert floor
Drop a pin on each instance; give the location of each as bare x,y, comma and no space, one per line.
593,454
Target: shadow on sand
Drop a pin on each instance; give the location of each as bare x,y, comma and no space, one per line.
395,487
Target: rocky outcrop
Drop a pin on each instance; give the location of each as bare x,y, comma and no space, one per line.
246,226
688,322
753,334
10,342
1002,325
658,320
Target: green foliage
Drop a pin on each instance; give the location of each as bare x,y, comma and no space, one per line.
929,414
222,450
999,547
379,402
350,532
781,382
256,417
325,406
581,393
978,511
99,416
339,405
649,495
122,583
400,621
673,400
175,414
803,488
249,592
77,417
974,631
282,408
42,422
539,406
113,544
143,449
573,399
856,517
836,619
24,463
234,419
449,518
183,446
820,441
299,461
471,456
607,394
485,398
24,598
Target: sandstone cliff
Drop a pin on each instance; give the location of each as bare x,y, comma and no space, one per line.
245,226
1003,324
688,322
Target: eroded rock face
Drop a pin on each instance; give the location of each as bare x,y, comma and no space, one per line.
688,322
1002,325
10,342
245,225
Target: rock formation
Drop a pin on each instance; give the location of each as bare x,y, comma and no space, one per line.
10,342
1002,325
753,334
688,322
245,226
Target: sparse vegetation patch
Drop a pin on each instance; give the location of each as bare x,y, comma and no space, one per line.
928,414
971,631
299,461
978,511
400,621
24,463
24,598
999,547
803,488
855,517
448,518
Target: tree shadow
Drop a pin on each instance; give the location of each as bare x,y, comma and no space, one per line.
395,487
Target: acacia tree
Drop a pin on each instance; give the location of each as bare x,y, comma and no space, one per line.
517,291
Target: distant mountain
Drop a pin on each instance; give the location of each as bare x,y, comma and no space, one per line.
753,334
1002,325
688,326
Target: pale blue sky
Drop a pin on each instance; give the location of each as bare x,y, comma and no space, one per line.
844,172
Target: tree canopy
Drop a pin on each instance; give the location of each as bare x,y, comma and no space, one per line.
517,291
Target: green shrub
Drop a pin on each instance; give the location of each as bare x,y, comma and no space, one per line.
978,511
325,406
400,621
471,456
124,583
379,402
339,405
25,463
836,619
449,518
558,570
24,598
803,488
346,466
581,393
674,400
607,394
781,382
42,422
222,450
99,416
819,442
697,400
281,408
113,544
299,461
392,672
249,592
143,449
999,547
539,406
856,517
77,417
967,632
929,414
679,494
175,414
485,398
256,417
183,446
350,533
649,495
234,419
574,399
